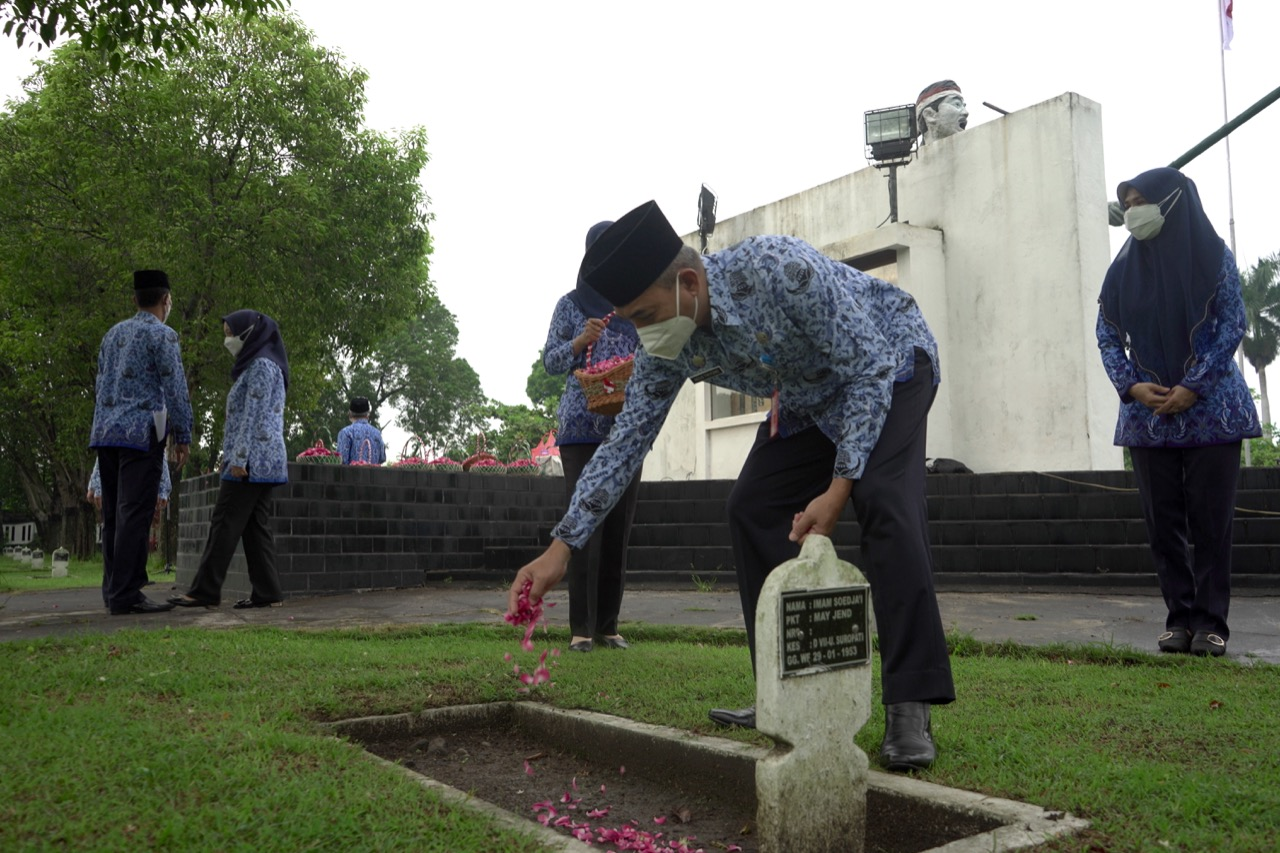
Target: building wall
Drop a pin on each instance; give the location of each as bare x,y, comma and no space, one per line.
1003,241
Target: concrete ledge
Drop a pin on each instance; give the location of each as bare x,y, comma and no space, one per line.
649,749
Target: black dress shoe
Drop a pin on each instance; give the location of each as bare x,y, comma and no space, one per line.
146,605
614,643
908,737
1208,643
1177,641
745,717
581,646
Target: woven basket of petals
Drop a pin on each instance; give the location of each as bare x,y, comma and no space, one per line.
605,382
483,458
320,455
444,464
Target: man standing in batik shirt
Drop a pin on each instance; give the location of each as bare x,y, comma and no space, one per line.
852,369
140,400
351,439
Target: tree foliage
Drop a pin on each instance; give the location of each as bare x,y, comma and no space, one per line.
126,32
242,168
1260,285
544,390
414,369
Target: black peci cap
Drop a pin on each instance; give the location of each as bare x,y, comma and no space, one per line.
630,255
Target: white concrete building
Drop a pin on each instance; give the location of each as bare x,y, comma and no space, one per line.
1003,241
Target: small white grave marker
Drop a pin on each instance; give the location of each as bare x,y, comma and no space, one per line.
813,695
61,561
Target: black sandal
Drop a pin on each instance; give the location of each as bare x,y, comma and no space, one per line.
245,603
185,600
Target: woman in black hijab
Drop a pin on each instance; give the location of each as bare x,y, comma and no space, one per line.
1170,319
253,464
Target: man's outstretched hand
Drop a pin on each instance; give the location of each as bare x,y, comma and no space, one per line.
544,573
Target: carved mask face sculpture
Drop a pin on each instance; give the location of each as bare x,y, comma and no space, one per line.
945,117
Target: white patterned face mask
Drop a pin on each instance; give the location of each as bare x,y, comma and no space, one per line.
235,343
667,338
1145,220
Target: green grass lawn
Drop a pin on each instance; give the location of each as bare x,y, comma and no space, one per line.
188,739
17,576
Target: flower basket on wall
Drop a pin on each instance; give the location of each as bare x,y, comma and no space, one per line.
320,455
364,456
482,461
605,382
413,461
520,462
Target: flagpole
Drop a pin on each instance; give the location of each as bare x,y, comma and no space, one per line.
1222,57
1231,205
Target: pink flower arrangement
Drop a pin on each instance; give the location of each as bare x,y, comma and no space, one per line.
320,454
487,466
606,365
522,467
443,463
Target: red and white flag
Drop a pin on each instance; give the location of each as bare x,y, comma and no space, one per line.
1228,23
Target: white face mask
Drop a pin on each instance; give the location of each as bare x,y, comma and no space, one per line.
1146,220
667,338
235,343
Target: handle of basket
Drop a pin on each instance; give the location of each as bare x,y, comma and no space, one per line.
404,452
591,346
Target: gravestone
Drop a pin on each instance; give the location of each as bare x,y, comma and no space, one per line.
813,695
24,556
60,563
37,558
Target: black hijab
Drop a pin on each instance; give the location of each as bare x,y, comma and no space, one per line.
589,300
263,341
1157,290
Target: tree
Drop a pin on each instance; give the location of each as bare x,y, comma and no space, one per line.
414,369
514,430
127,32
243,170
1260,285
544,390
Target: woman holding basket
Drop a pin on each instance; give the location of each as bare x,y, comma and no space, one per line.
584,333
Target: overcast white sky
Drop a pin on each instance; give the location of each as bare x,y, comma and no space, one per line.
545,118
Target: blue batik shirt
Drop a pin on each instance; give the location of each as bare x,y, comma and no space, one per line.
1224,412
253,437
351,441
830,339
139,374
577,425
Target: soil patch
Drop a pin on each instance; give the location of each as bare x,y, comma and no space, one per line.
505,766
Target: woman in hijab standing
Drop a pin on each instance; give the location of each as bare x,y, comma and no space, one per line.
597,573
253,464
1170,319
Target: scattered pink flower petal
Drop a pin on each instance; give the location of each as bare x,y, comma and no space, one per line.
528,768
660,820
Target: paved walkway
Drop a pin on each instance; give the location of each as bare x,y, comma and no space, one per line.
1027,617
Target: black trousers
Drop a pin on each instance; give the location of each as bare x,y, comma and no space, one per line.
242,513
782,475
130,485
1188,499
598,571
